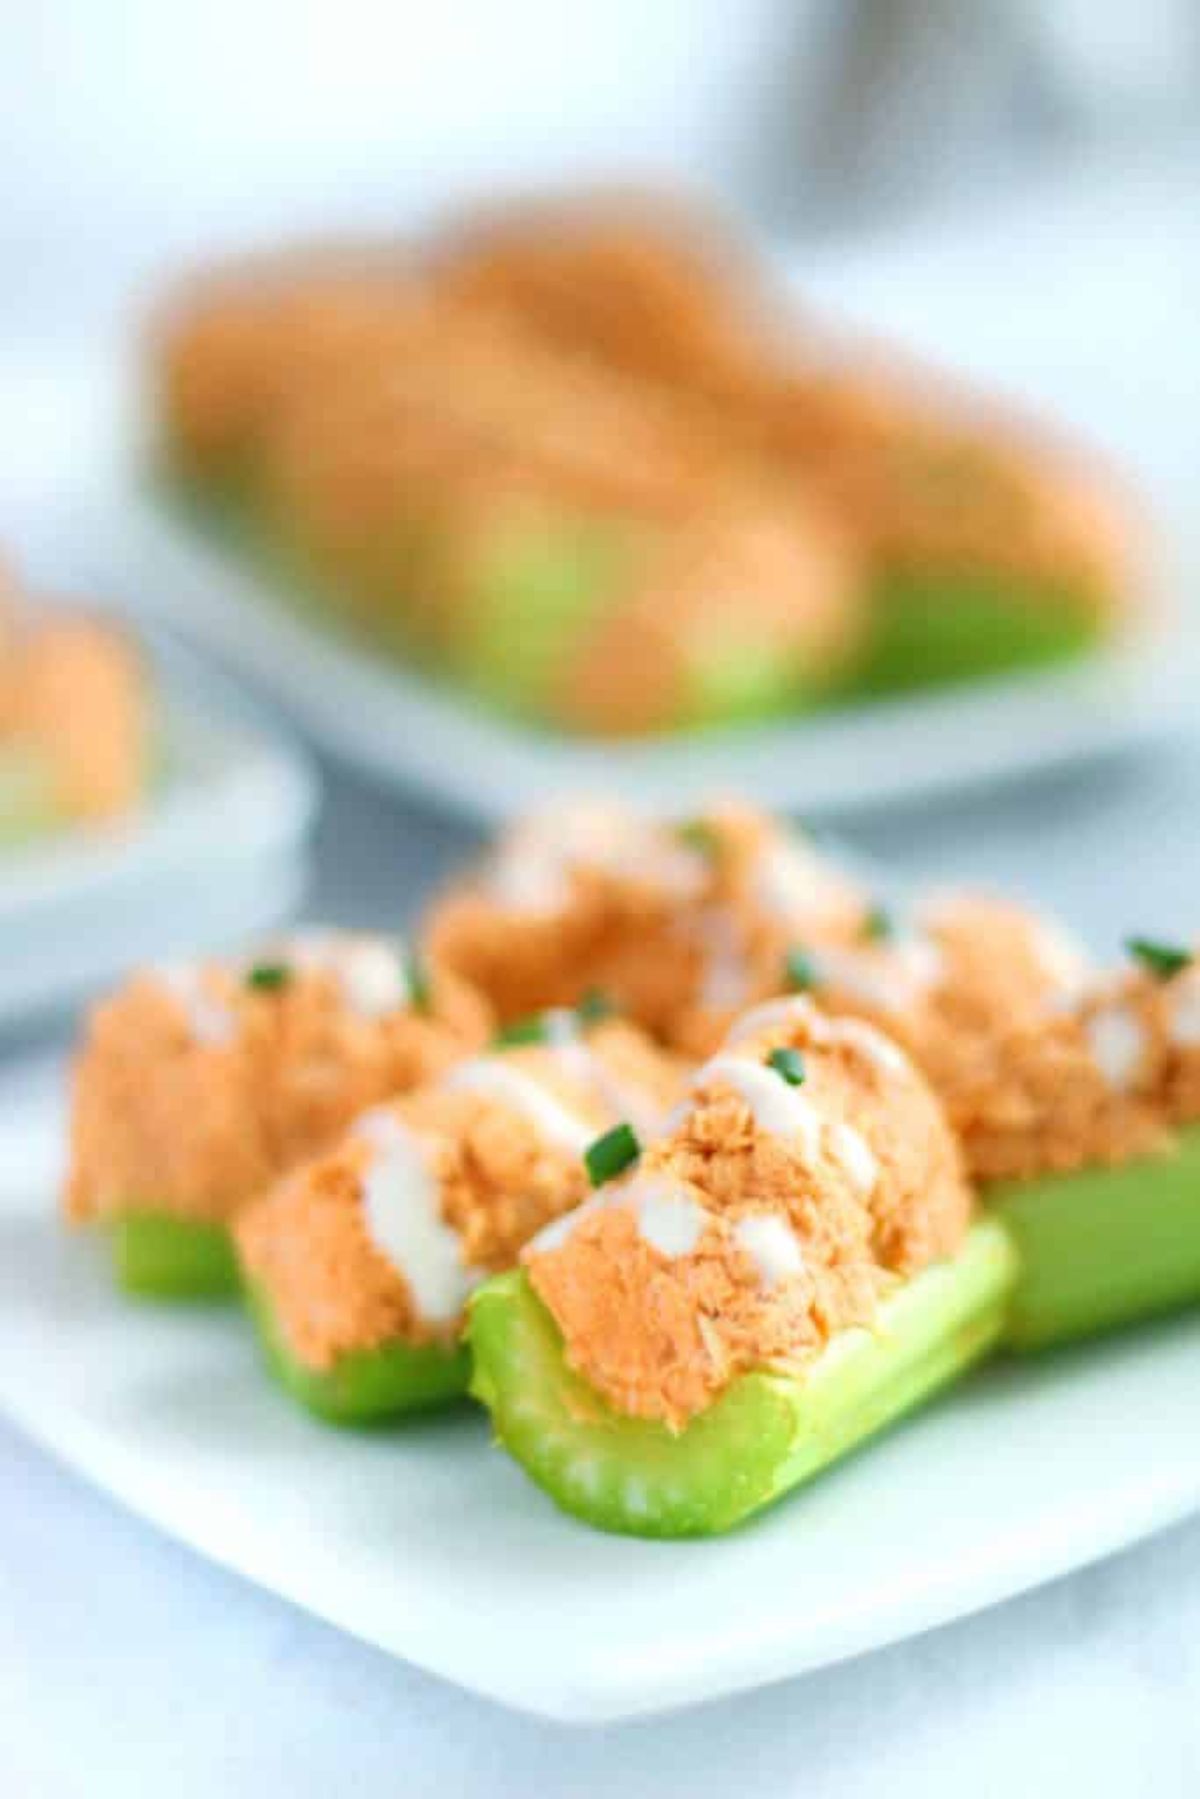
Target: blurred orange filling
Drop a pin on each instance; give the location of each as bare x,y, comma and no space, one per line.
73,693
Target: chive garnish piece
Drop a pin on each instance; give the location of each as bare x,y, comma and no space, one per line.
611,1154
417,977
788,1065
268,977
1162,959
594,1007
799,969
522,1030
878,925
698,834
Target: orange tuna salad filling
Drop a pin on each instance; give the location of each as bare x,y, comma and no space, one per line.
809,1169
680,924
1102,1078
382,1239
949,982
75,692
199,1084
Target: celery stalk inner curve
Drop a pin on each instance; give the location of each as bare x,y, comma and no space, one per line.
766,1434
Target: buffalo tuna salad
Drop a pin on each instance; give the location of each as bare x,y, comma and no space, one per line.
586,462
694,1158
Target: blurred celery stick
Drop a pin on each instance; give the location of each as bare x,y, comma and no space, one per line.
932,629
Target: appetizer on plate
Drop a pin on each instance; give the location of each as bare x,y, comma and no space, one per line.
576,461
75,721
359,1264
787,1265
681,925
198,1085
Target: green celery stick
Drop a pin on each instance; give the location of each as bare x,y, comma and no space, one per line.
766,1434
936,628
370,1386
161,1257
1105,1246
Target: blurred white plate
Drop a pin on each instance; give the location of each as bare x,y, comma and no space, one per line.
431,1544
217,852
406,731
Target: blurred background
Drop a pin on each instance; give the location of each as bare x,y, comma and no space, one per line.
137,135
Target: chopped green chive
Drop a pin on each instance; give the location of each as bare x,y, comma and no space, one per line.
594,1007
800,971
417,977
788,1065
878,925
522,1030
1162,959
611,1154
698,834
269,977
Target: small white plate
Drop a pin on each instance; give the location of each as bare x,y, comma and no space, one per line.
431,1544
218,852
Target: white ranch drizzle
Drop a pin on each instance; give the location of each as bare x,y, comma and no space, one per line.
726,979
667,1217
531,871
888,979
369,970
1183,1009
581,1062
491,1076
770,1242
775,1105
1117,1043
792,881
402,1211
855,1157
209,1023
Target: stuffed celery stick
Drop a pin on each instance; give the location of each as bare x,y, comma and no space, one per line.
197,1086
783,1270
1074,1093
359,1265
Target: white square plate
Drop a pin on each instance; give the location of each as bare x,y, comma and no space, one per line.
427,1542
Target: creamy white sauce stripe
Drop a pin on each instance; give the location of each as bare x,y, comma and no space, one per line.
532,871
370,971
855,1157
726,979
666,1216
793,882
209,1023
1183,1009
770,1242
775,1105
581,1062
509,1086
402,1210
822,1029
